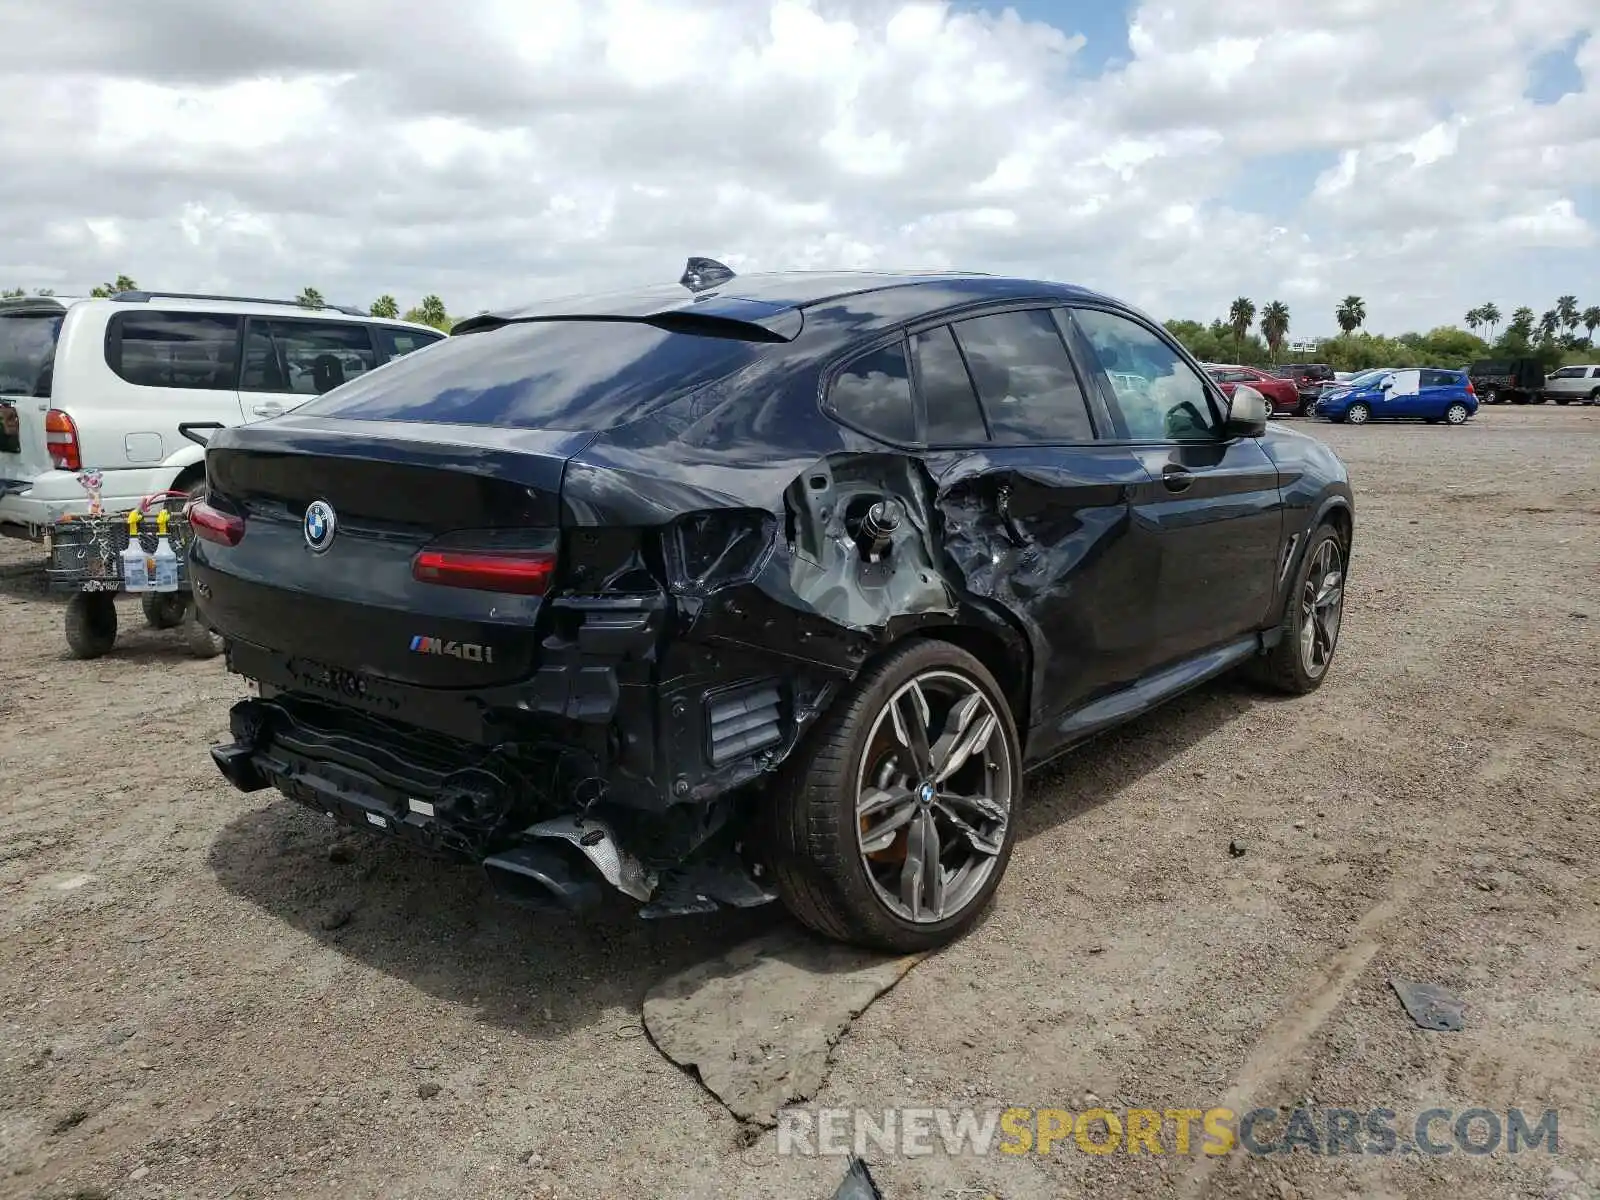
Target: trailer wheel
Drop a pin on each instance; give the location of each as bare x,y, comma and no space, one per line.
91,624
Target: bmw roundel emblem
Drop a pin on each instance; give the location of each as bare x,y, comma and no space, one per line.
320,525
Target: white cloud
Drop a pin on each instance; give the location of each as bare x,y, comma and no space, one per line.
521,150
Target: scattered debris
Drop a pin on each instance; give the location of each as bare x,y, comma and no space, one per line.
857,1183
1430,1006
1236,848
757,1024
427,1091
138,1173
70,1120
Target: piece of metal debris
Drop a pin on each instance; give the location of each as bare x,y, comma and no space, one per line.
1430,1006
857,1183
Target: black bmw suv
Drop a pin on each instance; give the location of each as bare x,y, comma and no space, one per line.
754,587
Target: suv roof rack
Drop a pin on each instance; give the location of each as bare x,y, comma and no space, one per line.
143,297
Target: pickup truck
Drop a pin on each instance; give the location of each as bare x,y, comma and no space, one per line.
1508,380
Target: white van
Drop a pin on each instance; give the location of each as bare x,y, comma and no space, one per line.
104,384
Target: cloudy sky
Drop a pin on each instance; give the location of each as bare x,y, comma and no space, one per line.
1426,154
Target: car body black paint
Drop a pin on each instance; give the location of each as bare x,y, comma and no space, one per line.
711,596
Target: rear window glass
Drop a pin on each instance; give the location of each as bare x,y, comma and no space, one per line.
569,375
27,353
174,350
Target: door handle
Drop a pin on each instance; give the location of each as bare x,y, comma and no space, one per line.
268,409
1176,478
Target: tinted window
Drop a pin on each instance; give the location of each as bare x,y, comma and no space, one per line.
174,350
1440,379
27,351
1161,396
947,396
1029,390
571,375
873,393
307,357
394,342
1570,373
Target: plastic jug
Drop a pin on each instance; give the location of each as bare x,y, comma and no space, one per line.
135,562
165,574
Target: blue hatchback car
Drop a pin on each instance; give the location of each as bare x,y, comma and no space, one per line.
1401,394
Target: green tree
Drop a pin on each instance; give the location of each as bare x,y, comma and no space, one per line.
310,298
1568,314
1275,325
1590,319
431,311
1548,323
1474,319
124,283
1490,313
1351,314
385,306
1241,315
12,294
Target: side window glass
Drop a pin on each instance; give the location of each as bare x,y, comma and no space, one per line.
304,357
1161,396
396,343
174,350
1025,380
873,393
947,396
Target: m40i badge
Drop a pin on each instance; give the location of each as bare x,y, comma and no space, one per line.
470,651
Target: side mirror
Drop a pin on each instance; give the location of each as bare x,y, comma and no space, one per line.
1386,385
1247,413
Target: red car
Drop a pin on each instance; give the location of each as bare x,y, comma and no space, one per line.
1280,393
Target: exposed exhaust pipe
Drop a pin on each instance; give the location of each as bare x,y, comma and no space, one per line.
544,878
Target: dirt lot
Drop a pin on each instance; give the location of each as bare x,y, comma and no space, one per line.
198,1000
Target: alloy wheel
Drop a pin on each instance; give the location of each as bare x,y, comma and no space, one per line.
933,797
1321,608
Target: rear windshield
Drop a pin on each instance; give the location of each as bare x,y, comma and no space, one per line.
27,352
567,375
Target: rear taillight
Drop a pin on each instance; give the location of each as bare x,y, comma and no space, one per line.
213,525
522,573
61,438
1471,391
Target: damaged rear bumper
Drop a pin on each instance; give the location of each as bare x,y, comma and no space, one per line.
445,800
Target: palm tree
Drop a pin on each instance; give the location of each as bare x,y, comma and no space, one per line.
1567,312
1491,317
385,306
124,283
1590,319
309,298
1351,313
430,312
1547,325
1474,318
1274,325
1240,315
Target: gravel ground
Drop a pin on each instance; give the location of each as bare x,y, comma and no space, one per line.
206,994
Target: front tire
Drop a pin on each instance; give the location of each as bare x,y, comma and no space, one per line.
91,624
891,827
1357,414
1456,414
1312,619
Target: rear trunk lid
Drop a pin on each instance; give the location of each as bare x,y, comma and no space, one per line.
340,589
28,332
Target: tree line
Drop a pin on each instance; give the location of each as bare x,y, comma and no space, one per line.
1551,338
430,310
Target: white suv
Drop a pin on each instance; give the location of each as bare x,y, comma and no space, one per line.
104,384
1576,383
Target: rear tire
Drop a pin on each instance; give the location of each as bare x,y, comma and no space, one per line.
1358,413
1299,662
198,637
91,624
856,781
1491,396
163,610
1456,414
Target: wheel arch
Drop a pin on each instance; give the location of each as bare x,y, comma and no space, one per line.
995,642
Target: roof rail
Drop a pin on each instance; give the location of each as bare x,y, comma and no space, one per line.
143,297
